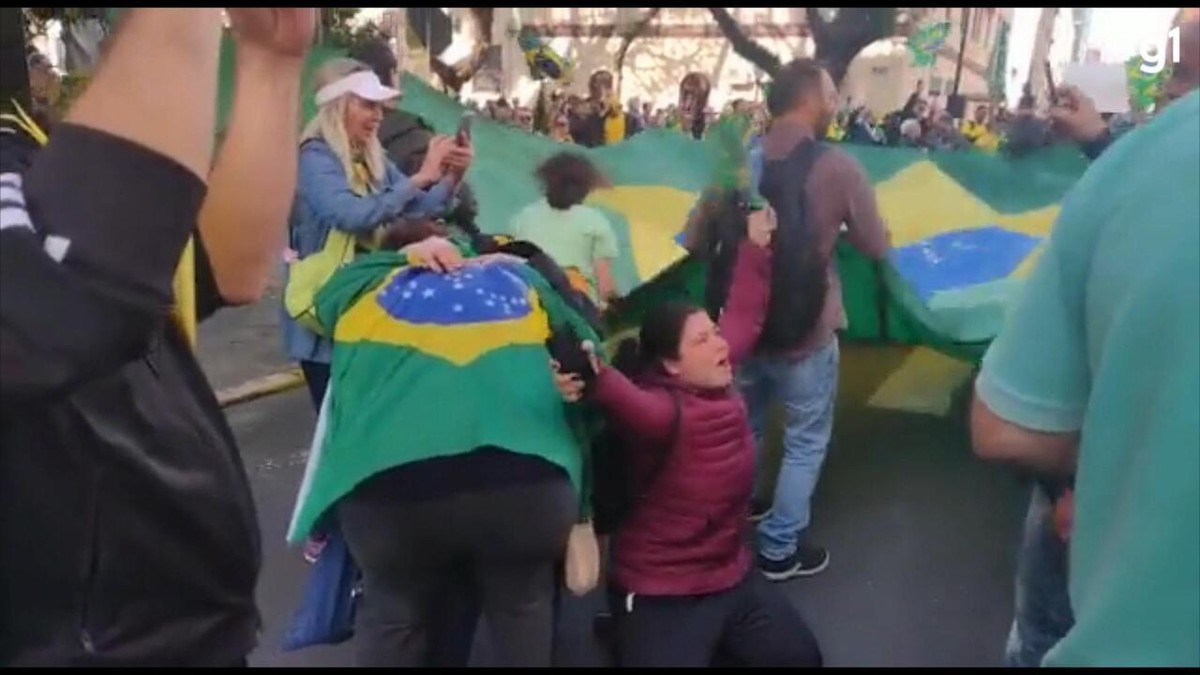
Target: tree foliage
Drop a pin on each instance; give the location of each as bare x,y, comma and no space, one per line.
37,18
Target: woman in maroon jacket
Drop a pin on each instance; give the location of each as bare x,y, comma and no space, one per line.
681,562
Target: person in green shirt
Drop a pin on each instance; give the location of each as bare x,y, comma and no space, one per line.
578,237
1097,373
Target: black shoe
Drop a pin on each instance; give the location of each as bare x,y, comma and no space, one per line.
805,562
759,509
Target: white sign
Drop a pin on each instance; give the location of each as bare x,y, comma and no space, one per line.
1105,83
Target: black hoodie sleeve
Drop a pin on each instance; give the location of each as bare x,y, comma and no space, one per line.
91,236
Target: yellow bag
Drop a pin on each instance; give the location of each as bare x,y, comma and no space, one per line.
307,275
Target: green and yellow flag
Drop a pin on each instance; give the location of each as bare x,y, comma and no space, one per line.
432,365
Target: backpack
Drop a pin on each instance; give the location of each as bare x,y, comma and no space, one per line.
799,268
616,490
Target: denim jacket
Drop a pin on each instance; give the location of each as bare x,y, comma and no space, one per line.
325,200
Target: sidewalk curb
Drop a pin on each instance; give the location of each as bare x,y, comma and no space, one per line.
267,385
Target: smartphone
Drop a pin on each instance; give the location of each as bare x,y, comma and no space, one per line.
1050,82
463,136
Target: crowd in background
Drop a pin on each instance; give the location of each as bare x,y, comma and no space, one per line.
922,122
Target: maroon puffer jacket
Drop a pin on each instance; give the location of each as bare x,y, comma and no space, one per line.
688,536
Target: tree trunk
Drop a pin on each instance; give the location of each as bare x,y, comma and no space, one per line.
627,38
838,40
849,31
743,45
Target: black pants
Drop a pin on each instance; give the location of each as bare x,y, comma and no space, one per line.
751,624
508,539
316,376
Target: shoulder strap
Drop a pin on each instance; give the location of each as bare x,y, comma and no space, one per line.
25,123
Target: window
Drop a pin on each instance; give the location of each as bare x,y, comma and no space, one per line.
946,12
935,85
976,19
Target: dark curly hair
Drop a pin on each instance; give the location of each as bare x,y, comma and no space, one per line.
568,178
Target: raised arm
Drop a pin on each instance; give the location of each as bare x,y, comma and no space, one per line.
93,232
745,311
244,218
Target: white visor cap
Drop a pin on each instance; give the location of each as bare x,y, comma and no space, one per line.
364,84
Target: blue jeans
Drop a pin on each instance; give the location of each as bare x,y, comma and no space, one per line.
1043,607
807,388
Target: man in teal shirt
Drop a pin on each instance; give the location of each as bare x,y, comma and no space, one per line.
1098,371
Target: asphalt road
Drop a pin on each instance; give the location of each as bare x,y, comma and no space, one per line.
922,537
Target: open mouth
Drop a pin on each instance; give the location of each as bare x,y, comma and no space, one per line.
723,363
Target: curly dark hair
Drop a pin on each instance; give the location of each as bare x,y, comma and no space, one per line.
568,178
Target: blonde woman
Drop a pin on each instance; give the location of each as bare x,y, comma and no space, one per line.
346,182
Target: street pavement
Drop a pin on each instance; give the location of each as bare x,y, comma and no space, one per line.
922,536
240,344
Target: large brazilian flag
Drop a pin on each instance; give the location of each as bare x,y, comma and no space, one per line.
966,225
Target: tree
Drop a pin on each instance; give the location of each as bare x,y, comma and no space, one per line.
337,26
455,75
839,33
83,30
36,18
628,36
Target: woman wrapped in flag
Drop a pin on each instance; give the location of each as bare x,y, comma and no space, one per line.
447,448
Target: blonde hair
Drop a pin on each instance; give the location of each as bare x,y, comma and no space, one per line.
329,124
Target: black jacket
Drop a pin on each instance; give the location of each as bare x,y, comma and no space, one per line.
128,534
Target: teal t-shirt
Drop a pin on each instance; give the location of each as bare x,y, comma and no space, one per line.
1105,340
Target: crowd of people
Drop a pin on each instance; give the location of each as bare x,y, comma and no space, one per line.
464,476
920,123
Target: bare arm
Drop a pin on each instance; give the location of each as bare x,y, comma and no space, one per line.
156,84
606,287
99,222
244,218
996,439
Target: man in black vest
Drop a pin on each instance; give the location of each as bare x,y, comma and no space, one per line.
814,189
